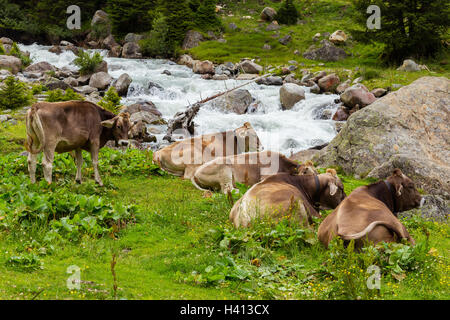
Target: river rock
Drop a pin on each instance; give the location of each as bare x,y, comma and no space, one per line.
192,40
84,79
100,80
101,20
409,65
71,81
379,92
268,14
85,90
236,101
10,63
315,88
250,67
406,129
146,117
133,37
271,81
222,77
131,50
343,86
203,67
55,49
115,51
273,26
290,94
186,60
327,52
146,106
54,84
109,42
329,83
41,67
341,114
247,76
5,40
122,84
285,40
357,95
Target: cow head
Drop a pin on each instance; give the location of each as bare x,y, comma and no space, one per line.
406,195
120,125
307,168
332,190
247,138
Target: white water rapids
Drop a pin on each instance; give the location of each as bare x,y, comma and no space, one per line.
285,131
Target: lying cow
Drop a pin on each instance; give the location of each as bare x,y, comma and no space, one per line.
247,168
284,194
369,212
182,158
67,126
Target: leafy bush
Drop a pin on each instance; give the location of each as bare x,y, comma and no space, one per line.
111,101
86,62
15,94
15,51
60,95
157,44
288,13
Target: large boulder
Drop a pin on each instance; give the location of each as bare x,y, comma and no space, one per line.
10,63
131,50
192,40
100,80
268,14
406,129
133,37
250,67
236,101
327,52
109,42
290,94
122,84
186,60
357,95
101,21
203,67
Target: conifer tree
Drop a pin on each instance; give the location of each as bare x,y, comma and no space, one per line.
206,17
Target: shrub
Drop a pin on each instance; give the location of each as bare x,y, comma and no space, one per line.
86,62
205,16
38,88
14,94
288,13
15,51
111,101
60,95
408,28
157,44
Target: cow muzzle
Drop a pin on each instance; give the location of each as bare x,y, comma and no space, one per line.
123,143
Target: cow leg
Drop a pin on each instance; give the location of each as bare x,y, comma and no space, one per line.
79,162
47,163
226,183
94,156
32,159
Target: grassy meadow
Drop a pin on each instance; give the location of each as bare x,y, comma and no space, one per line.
148,235
318,17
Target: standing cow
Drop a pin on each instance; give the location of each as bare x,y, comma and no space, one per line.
368,214
71,125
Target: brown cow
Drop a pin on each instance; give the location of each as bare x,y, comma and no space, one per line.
67,126
369,212
247,168
284,194
182,158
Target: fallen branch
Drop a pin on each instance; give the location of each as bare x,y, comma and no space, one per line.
184,119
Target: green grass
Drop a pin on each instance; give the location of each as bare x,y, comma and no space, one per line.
320,17
182,246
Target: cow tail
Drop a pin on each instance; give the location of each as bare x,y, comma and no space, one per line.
194,182
368,229
35,132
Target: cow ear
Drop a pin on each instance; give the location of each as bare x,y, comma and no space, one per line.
109,123
333,188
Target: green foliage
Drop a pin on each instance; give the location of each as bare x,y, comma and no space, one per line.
25,262
15,94
15,51
111,101
205,16
130,15
367,73
86,62
288,13
415,28
60,95
179,20
2,49
38,88
157,44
